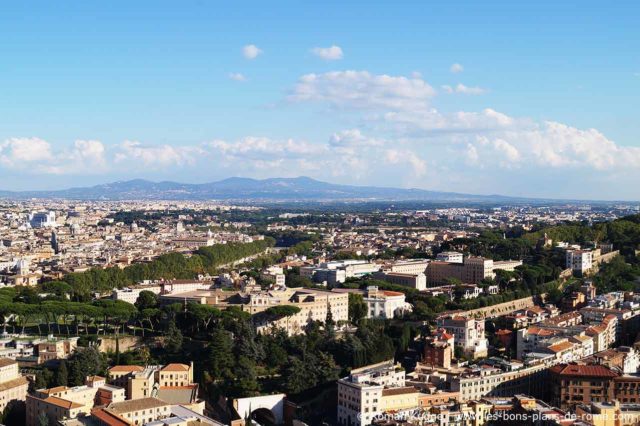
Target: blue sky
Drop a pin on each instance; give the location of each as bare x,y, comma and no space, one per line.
543,101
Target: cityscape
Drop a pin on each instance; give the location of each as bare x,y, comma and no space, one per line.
296,214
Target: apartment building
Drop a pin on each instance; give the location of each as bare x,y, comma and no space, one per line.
137,411
173,382
474,384
175,375
361,395
579,261
566,338
138,382
529,316
609,414
54,348
438,349
471,270
63,403
576,384
468,333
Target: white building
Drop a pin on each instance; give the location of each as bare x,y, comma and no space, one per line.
450,256
130,295
360,394
42,219
384,303
468,333
580,261
276,274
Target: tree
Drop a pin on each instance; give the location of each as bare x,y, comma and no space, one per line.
62,374
173,338
245,383
220,362
85,362
40,381
117,350
43,419
146,300
357,308
298,377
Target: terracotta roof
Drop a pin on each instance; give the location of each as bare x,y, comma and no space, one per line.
176,367
399,391
559,347
109,419
57,389
583,370
63,403
125,368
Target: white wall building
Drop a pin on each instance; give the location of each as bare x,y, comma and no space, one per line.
468,333
450,256
579,261
360,394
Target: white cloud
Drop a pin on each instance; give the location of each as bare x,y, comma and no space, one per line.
456,68
471,154
237,76
332,53
555,145
252,147
461,88
157,155
432,122
352,138
363,90
251,51
394,156
35,155
14,151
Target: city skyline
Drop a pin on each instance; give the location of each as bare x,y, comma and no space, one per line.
520,100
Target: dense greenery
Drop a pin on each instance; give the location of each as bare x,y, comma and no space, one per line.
167,266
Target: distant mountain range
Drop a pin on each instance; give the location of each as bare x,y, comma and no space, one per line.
235,188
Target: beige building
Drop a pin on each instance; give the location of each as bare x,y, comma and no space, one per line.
173,381
139,411
413,267
472,270
13,386
313,305
63,403
415,281
176,375
55,349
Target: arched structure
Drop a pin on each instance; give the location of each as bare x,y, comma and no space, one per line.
266,407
